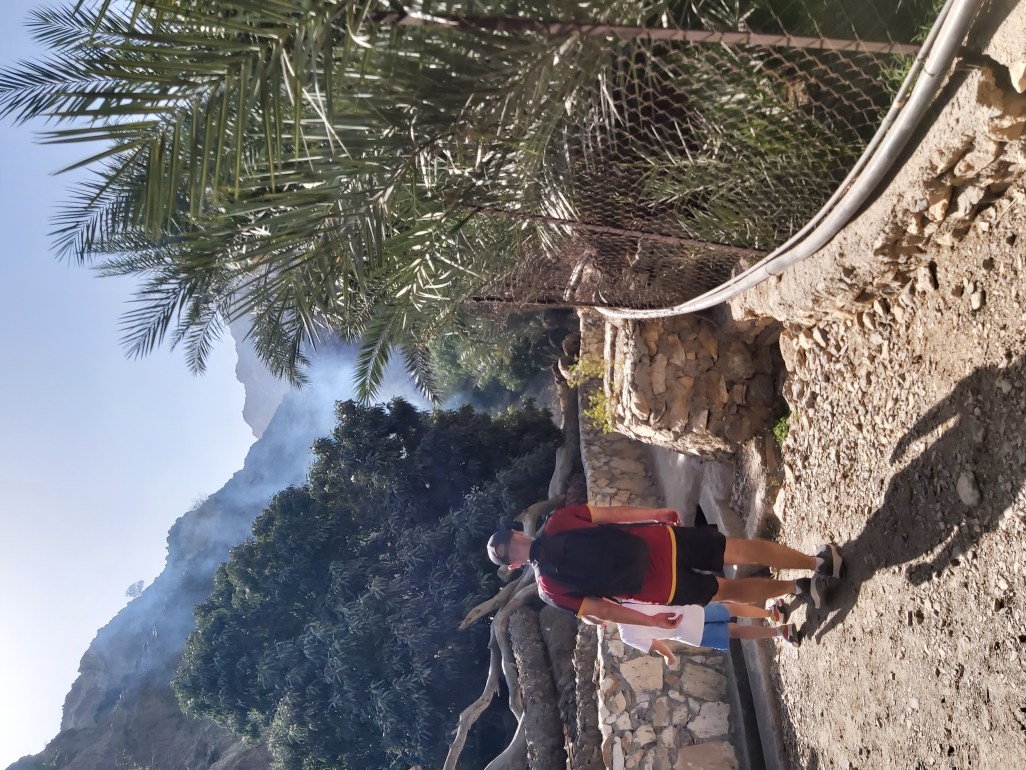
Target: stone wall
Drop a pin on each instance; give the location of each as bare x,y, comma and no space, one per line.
692,386
617,468
659,717
651,716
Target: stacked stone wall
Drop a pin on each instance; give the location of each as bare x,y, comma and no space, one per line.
692,386
659,717
618,468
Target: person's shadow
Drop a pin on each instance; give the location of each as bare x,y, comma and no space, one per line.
983,429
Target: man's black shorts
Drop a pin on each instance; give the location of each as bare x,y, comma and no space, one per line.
698,548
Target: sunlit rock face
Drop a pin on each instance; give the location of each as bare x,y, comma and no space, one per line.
264,391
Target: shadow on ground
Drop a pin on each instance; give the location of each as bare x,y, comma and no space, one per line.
983,422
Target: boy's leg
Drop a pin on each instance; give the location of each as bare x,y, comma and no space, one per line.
661,647
766,553
788,634
737,631
738,610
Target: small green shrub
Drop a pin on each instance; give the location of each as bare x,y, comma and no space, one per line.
781,427
598,411
586,368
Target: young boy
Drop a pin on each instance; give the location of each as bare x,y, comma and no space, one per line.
707,626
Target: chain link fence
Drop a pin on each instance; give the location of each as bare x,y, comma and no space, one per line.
700,137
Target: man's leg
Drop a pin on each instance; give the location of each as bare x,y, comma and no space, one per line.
752,590
789,634
766,553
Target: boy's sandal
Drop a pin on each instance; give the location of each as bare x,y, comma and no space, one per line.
790,635
779,612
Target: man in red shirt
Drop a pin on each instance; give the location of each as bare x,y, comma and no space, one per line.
679,559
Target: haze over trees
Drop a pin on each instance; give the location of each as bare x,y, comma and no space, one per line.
332,632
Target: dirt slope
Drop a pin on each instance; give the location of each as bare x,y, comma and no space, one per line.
908,447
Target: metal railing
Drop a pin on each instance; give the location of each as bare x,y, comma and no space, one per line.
921,85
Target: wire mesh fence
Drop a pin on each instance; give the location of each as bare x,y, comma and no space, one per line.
697,137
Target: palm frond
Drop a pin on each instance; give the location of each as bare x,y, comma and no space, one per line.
385,332
308,164
417,360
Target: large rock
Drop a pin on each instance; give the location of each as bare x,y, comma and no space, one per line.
702,682
715,755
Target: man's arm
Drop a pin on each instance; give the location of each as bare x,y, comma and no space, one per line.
625,514
593,609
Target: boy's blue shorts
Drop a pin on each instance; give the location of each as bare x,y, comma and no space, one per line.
715,634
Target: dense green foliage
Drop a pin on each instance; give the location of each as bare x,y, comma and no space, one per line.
332,632
489,358
307,165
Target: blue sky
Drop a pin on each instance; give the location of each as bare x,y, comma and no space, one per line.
98,454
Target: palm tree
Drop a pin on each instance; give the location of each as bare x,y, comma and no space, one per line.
283,160
349,167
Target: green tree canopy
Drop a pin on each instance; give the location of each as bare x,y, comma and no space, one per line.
332,632
489,357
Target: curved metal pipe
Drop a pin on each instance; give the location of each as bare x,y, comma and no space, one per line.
927,74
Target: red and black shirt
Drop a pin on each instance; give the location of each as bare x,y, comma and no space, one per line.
660,582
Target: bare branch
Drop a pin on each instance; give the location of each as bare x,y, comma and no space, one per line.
501,658
512,596
530,515
470,714
488,606
514,756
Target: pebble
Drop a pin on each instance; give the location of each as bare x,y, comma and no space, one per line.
968,490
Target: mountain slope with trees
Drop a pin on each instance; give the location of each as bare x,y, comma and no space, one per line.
120,711
332,632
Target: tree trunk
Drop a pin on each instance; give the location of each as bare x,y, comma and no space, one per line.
559,630
586,749
541,722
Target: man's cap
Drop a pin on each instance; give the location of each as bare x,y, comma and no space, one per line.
498,546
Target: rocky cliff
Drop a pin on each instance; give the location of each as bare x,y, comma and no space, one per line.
264,391
120,712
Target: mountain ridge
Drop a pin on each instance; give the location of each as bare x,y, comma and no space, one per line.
120,711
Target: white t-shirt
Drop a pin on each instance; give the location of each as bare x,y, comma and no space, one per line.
689,630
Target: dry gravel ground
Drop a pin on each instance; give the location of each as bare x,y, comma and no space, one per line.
907,446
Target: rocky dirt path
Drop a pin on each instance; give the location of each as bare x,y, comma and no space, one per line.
907,446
